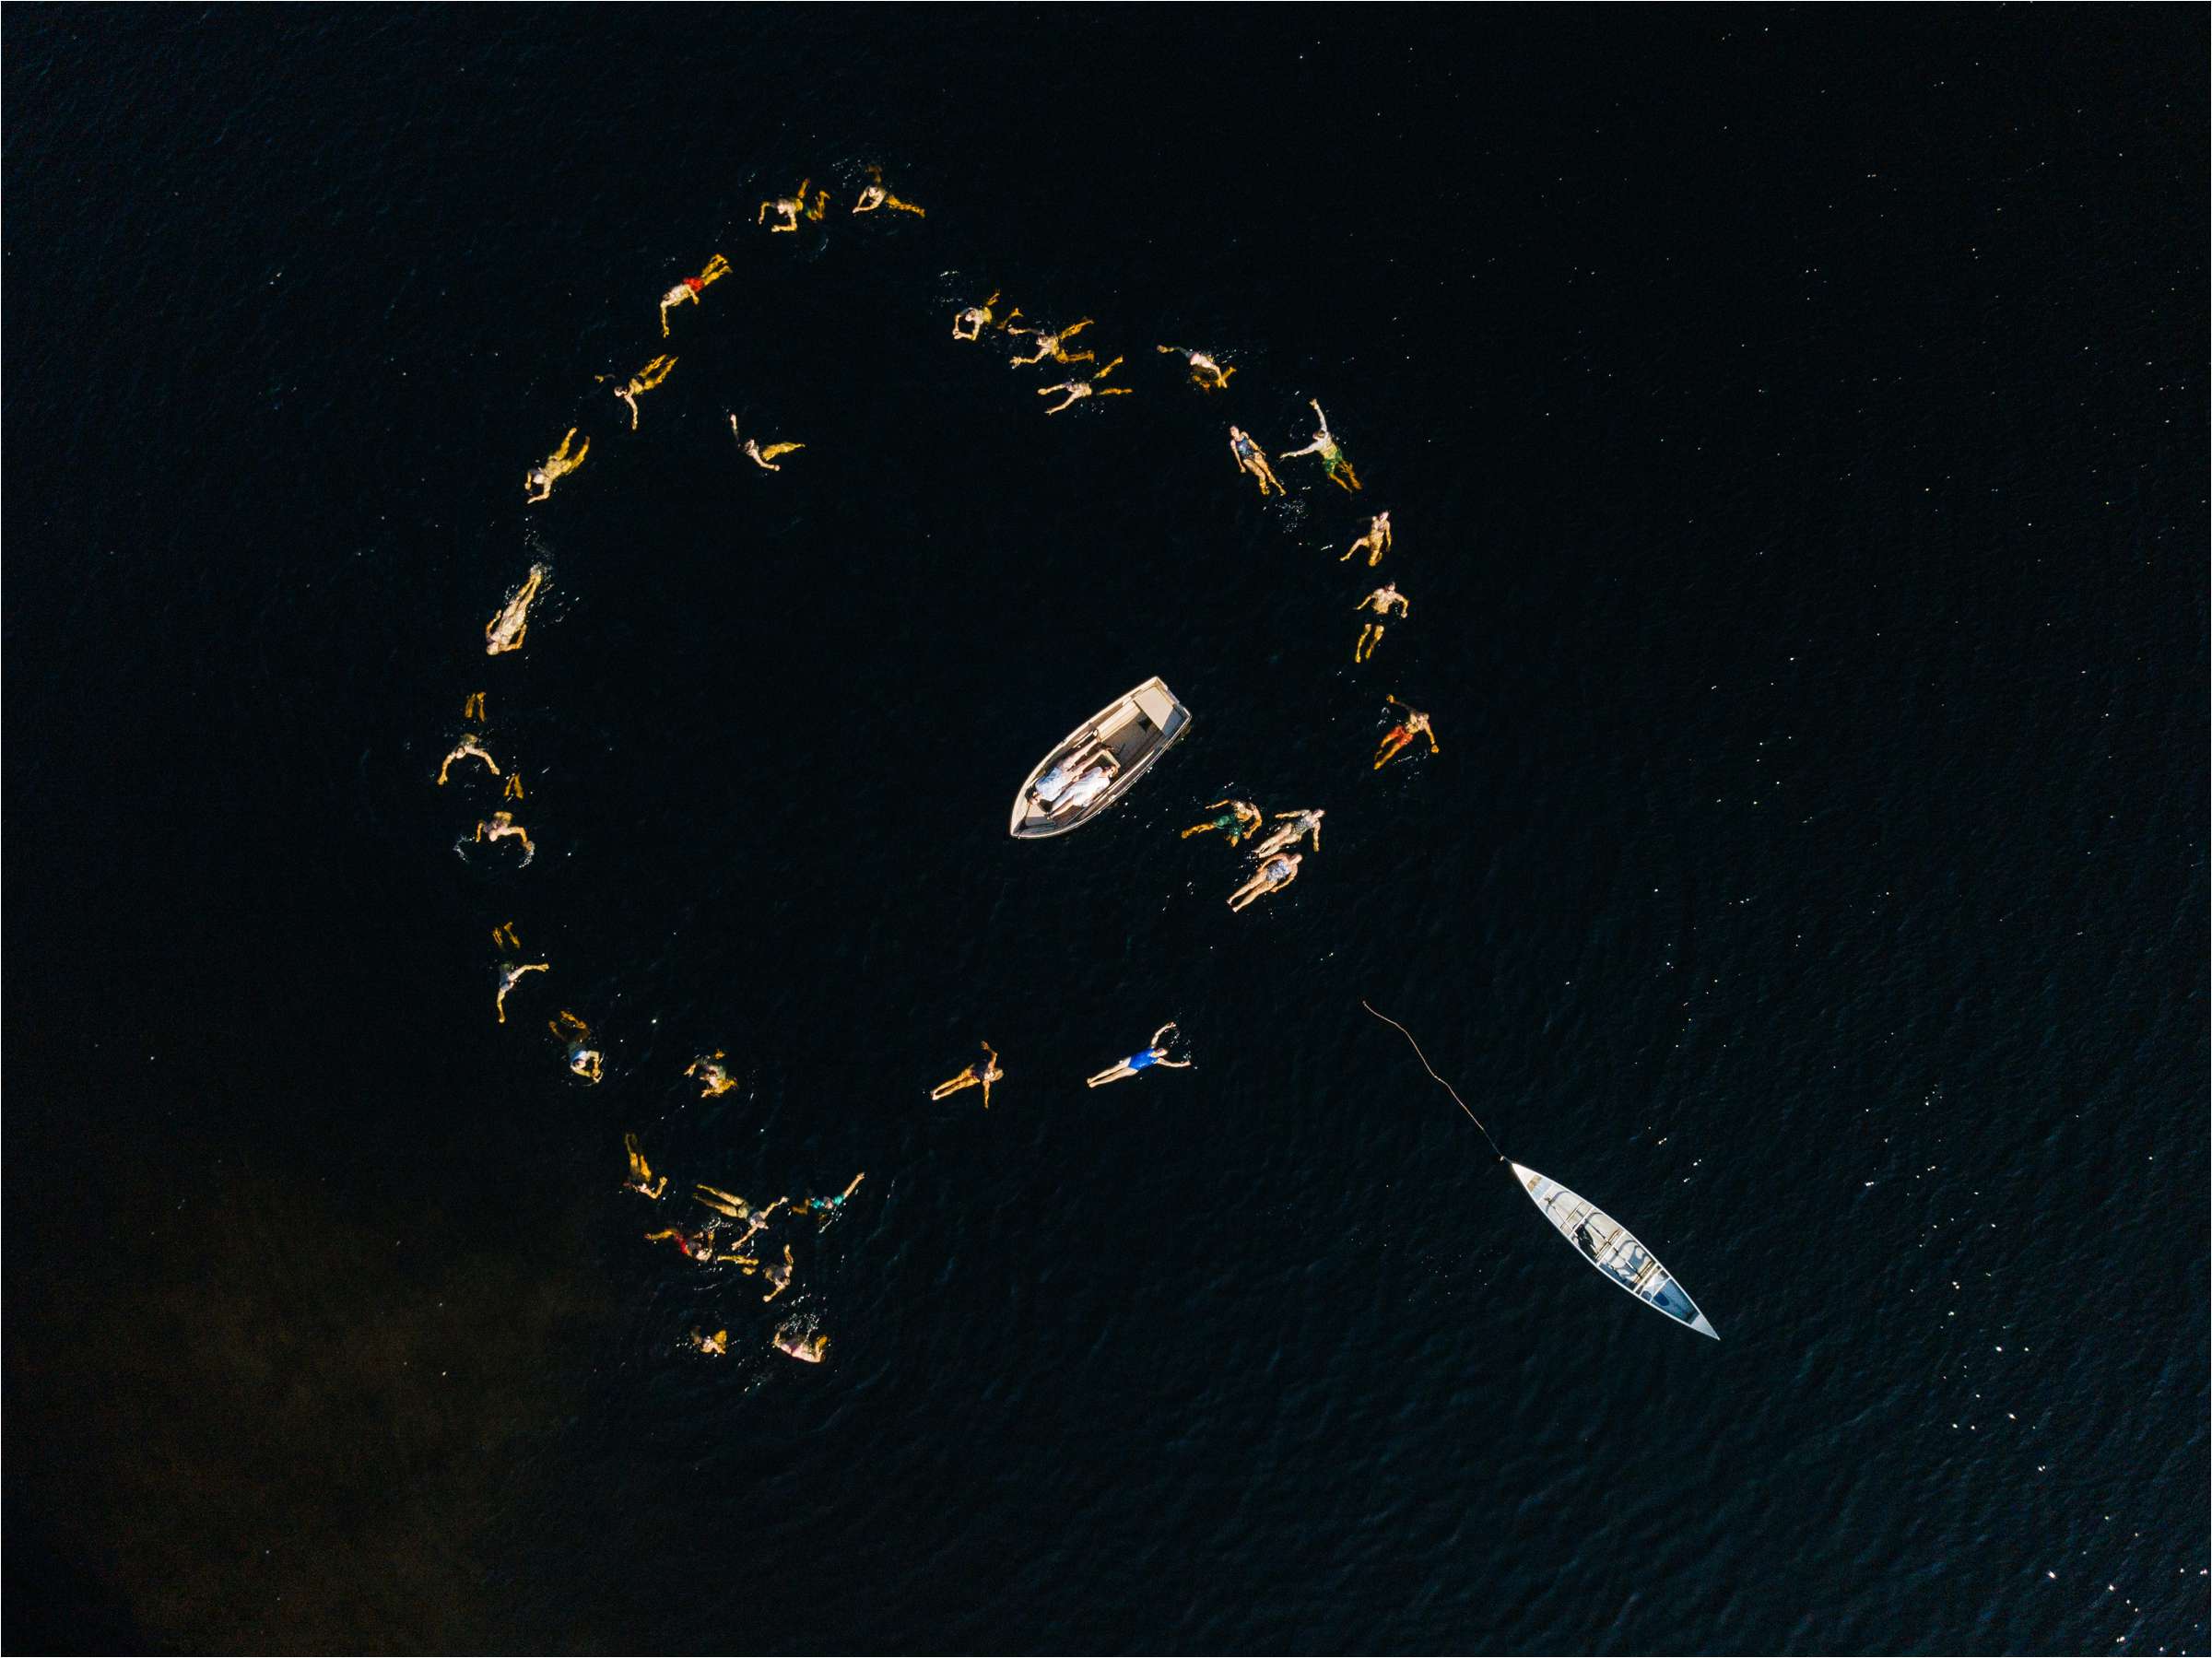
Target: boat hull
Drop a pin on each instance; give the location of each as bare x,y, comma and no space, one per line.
1128,735
1613,1249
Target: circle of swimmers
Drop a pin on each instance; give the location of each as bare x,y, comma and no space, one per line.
1274,856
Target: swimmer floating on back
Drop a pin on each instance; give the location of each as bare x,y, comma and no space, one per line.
1205,373
798,1344
689,289
1251,459
789,208
583,1060
466,749
717,1345
507,631
762,458
1078,390
643,380
1048,345
1374,544
697,1247
980,1077
1332,459
506,975
539,484
715,1078
1379,602
1287,831
779,1275
1242,819
498,827
642,1180
968,324
1398,736
1154,1052
829,1206
874,195
1275,875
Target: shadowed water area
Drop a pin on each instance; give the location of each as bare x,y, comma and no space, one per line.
1794,433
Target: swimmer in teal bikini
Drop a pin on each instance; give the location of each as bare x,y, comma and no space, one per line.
1154,1052
827,1207
1242,819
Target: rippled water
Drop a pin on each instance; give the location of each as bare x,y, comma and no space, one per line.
1795,442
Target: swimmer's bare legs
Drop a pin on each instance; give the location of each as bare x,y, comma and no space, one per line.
513,790
507,631
640,1172
509,974
1374,544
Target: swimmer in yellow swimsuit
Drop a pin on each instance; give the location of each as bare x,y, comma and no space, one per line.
1374,544
968,324
1052,346
507,631
874,195
790,209
539,484
643,380
1205,373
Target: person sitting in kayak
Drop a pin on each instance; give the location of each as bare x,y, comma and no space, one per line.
690,287
980,1077
1288,829
803,1346
1205,373
538,484
1398,736
1379,602
874,195
974,320
582,1060
1078,390
1275,875
1051,345
641,1179
1154,1052
643,380
1333,458
1374,544
1251,459
1242,819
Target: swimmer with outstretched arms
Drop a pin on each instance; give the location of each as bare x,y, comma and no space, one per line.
1252,459
779,1275
643,380
507,631
1379,602
1205,373
466,749
1287,831
583,1060
713,1076
697,1247
735,1208
688,290
1154,1052
1078,390
763,458
1374,544
539,483
789,209
980,1077
641,1179
1333,458
1395,740
1275,875
498,827
829,1206
808,1348
1242,819
506,975
874,195
1050,345
969,323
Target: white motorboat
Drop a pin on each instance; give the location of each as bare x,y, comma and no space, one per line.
1098,762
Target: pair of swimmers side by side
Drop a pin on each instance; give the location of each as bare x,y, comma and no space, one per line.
1251,458
1153,1053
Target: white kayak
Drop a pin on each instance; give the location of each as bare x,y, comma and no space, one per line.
1613,1249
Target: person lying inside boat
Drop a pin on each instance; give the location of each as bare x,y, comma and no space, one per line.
1275,875
980,1077
1242,819
1091,783
1154,1052
1055,782
1287,832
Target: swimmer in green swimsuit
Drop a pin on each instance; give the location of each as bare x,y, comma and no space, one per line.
1333,458
1242,819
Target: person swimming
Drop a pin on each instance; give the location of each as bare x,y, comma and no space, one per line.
802,1346
643,380
763,458
716,1345
513,789
1374,544
696,1247
874,195
1379,602
1332,459
641,1179
499,826
541,478
472,706
506,975
1051,345
1154,1052
583,1060
1078,390
1252,459
466,749
791,208
971,323
507,631
1275,875
1242,819
713,1076
690,288
779,1275
1290,827
980,1077
828,1206
1205,373
1400,735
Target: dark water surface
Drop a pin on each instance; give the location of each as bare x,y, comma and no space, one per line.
1794,426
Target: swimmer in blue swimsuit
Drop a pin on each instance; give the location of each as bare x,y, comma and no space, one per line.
1154,1052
